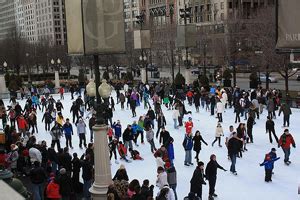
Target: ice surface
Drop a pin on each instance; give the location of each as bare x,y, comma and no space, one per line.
247,185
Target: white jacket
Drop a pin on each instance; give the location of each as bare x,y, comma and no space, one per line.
224,98
35,155
159,162
162,180
220,107
219,132
170,195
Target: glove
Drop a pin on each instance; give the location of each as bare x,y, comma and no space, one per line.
294,145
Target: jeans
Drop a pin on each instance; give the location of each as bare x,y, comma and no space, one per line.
173,186
188,157
86,186
38,191
128,144
287,153
153,149
175,123
68,140
233,162
286,120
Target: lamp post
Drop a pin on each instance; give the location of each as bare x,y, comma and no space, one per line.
56,73
28,68
58,64
102,165
143,59
4,66
237,50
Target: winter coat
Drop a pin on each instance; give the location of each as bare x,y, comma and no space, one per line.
285,108
219,132
149,135
286,141
87,170
197,142
122,150
197,180
269,164
170,150
162,180
12,159
189,126
270,125
187,143
211,169
233,146
172,176
35,155
68,129
250,122
220,107
151,114
161,121
164,136
120,175
37,175
56,133
65,183
127,135
197,99
118,129
81,128
47,117
52,190
270,105
134,128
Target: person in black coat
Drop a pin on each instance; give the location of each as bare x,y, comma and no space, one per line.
164,136
38,177
270,127
48,120
198,180
233,146
197,96
161,122
211,175
197,143
147,191
76,165
237,110
250,123
132,103
151,115
66,160
65,184
212,104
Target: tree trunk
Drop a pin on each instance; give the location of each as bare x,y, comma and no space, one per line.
286,81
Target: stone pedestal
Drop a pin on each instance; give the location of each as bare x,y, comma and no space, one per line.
3,89
143,75
56,81
187,76
102,164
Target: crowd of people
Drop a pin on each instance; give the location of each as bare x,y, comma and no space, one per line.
55,174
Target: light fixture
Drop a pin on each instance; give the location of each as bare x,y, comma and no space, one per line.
104,89
5,64
52,62
91,88
58,61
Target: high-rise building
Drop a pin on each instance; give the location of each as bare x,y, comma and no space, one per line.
132,8
35,21
7,17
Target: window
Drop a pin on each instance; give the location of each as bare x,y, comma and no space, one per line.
222,5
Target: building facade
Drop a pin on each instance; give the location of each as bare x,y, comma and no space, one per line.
7,17
35,21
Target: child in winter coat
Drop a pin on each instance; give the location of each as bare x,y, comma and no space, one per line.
52,190
189,126
269,165
135,154
219,133
122,151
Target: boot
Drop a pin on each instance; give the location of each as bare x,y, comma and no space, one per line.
210,197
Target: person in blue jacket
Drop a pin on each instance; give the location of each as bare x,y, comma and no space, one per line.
269,165
68,130
134,128
188,146
118,129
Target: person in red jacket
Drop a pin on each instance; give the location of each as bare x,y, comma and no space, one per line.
189,126
122,151
52,191
22,124
61,92
285,142
190,95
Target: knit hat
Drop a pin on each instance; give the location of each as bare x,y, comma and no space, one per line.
273,149
5,174
62,171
